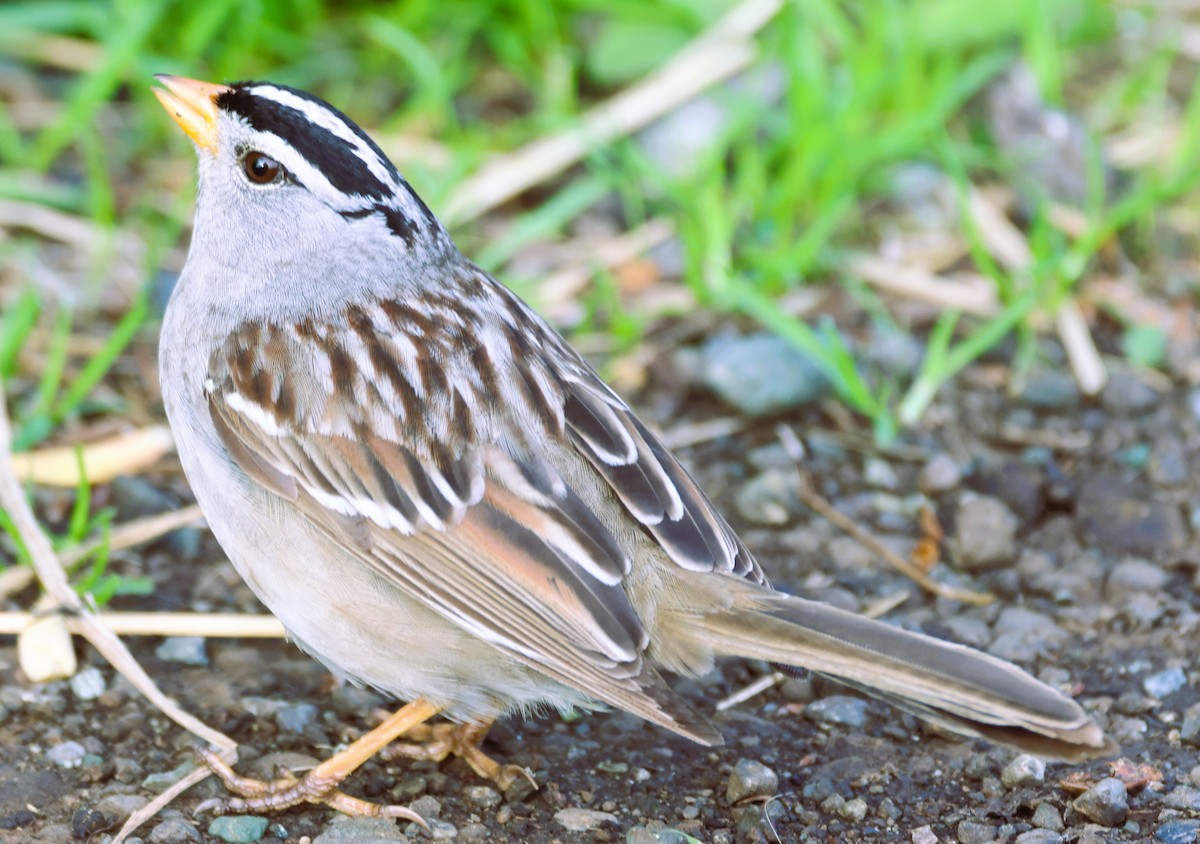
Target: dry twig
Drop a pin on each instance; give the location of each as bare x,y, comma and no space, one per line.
814,501
717,54
54,581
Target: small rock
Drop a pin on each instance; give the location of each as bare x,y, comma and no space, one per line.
474,832
1126,393
347,830
838,710
748,779
427,807
68,754
162,780
1021,485
940,474
610,767
581,820
664,835
880,474
1183,797
1050,389
121,805
853,810
173,831
85,822
985,533
1106,802
1047,816
1178,832
1023,634
188,650
1120,517
238,829
482,795
924,835
88,683
1164,683
442,831
1039,836
1024,770
771,497
760,374
294,717
975,832
1189,730
1134,575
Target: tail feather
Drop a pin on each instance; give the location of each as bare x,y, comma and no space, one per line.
957,687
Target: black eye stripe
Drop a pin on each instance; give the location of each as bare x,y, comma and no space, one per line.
334,157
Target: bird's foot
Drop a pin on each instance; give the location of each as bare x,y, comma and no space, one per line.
437,741
317,786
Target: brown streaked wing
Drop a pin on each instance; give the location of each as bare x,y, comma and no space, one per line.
497,543
655,489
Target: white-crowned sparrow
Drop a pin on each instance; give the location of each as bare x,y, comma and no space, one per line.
440,499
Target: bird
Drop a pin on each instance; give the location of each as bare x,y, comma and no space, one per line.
440,499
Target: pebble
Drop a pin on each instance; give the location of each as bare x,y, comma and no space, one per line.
1021,485
482,795
1183,797
975,832
238,829
347,830
750,778
442,831
1165,683
1039,836
1106,802
427,807
940,474
88,683
1047,816
1178,832
474,832
121,805
1126,393
1023,634
771,497
581,820
985,533
838,710
880,474
924,835
1023,770
760,374
1189,730
665,835
294,717
162,780
1050,389
188,650
85,822
173,831
853,810
1117,517
68,754
1134,574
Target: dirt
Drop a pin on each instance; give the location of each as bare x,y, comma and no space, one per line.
1096,583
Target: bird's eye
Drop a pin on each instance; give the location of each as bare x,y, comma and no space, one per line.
261,169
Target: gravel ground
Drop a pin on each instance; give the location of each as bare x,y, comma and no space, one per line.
1079,515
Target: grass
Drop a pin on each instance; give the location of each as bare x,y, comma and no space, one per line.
778,199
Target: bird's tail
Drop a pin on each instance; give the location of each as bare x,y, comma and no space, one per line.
957,687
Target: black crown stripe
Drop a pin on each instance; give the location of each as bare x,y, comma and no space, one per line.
334,157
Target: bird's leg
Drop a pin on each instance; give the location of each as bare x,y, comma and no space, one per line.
437,741
320,785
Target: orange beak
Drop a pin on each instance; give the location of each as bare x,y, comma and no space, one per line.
193,105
